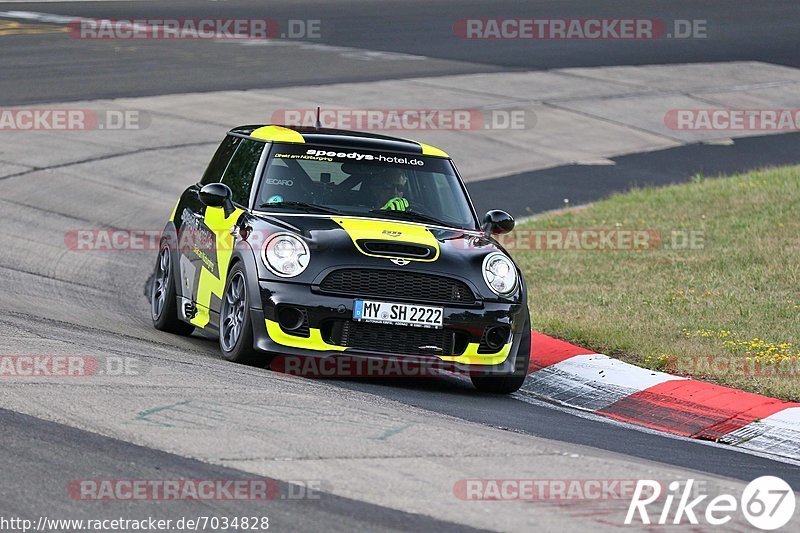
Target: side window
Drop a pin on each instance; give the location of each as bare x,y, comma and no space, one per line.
239,175
220,160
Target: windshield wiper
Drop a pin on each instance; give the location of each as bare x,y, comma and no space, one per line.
302,205
411,215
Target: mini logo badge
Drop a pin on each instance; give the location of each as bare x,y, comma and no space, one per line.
400,262
390,233
430,348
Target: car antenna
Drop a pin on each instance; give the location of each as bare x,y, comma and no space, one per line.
317,124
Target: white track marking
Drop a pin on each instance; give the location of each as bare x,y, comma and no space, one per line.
534,399
778,434
593,381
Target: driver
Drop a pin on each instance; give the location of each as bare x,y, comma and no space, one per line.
387,188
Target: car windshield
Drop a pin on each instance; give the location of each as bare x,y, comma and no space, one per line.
352,181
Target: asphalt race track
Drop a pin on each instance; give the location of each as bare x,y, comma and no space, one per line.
385,454
421,28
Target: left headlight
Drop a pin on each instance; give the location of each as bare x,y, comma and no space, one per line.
500,274
285,255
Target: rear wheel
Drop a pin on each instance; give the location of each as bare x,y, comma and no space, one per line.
163,301
509,383
235,326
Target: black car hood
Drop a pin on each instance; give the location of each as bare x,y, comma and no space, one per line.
347,241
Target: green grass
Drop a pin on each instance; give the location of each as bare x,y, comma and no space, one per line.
727,311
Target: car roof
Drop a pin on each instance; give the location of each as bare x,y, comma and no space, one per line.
336,138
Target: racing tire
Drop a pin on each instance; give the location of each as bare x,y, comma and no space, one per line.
509,383
163,300
235,326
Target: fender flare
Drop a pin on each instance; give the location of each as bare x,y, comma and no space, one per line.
170,235
244,253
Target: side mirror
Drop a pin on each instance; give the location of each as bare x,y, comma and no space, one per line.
497,222
217,195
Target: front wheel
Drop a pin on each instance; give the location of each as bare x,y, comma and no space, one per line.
163,301
235,326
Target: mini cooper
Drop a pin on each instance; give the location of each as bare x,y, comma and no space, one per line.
321,243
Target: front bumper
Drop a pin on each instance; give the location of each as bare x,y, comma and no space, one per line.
329,331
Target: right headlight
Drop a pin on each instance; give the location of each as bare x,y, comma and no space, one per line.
285,255
500,274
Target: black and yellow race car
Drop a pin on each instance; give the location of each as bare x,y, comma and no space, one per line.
324,243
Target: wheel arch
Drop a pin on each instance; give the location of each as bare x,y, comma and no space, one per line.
245,256
170,235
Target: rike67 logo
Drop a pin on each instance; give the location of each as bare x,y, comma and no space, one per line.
767,503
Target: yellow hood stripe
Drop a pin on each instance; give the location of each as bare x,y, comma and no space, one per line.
390,231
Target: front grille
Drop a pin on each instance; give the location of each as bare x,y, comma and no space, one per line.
393,284
403,340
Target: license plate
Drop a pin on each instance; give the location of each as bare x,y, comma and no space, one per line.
399,314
